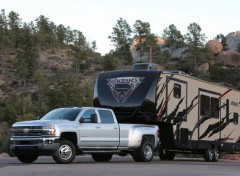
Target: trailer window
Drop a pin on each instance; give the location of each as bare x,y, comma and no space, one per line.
106,116
214,111
204,105
209,106
235,118
177,91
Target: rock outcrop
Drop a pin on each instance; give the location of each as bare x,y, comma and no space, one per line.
214,46
204,67
229,57
233,39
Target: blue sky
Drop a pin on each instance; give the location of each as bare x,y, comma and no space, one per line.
96,18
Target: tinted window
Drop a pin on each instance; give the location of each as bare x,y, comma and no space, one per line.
235,118
62,114
214,107
106,116
204,105
209,106
86,117
177,91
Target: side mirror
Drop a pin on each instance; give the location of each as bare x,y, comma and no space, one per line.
94,118
81,120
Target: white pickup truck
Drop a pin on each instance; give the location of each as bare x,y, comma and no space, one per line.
66,132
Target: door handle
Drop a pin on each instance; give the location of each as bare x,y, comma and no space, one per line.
115,127
97,127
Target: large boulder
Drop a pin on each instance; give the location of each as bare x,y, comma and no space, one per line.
229,57
214,46
204,67
233,39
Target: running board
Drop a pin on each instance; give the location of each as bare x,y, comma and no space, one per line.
100,151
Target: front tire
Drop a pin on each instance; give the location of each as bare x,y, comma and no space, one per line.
27,158
66,152
101,157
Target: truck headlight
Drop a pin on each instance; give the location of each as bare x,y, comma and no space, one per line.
50,130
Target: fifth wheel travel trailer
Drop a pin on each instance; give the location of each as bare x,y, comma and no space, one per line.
193,116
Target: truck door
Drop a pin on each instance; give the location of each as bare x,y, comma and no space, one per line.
88,130
100,132
108,129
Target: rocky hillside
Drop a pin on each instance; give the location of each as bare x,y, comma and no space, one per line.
230,57
48,64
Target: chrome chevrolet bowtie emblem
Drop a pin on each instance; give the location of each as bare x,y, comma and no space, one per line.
25,130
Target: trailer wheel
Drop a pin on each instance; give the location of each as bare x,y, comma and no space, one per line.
215,155
162,155
208,155
170,155
101,157
66,152
27,158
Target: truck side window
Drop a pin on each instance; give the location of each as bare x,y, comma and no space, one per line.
86,117
177,91
106,116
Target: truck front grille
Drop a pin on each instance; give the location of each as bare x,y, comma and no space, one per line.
33,131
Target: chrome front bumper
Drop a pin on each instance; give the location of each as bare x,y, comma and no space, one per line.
41,146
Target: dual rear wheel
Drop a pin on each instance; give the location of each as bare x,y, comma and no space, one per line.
144,153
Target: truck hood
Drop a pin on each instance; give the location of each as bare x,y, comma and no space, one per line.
42,122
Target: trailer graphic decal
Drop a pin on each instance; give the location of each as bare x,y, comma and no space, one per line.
211,127
123,87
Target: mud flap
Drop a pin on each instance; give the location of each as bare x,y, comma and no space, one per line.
184,137
166,135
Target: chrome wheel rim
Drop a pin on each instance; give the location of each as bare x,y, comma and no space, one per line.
65,152
148,152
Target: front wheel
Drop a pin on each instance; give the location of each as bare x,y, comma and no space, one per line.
27,158
66,152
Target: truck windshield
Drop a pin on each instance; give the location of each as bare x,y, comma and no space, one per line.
62,114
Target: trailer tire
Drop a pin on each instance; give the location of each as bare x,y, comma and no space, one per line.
145,152
170,155
27,158
101,157
208,155
215,155
66,152
162,155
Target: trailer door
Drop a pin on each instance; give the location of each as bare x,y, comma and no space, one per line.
209,118
177,103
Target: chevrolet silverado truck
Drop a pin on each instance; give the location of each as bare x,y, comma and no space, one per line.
66,132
